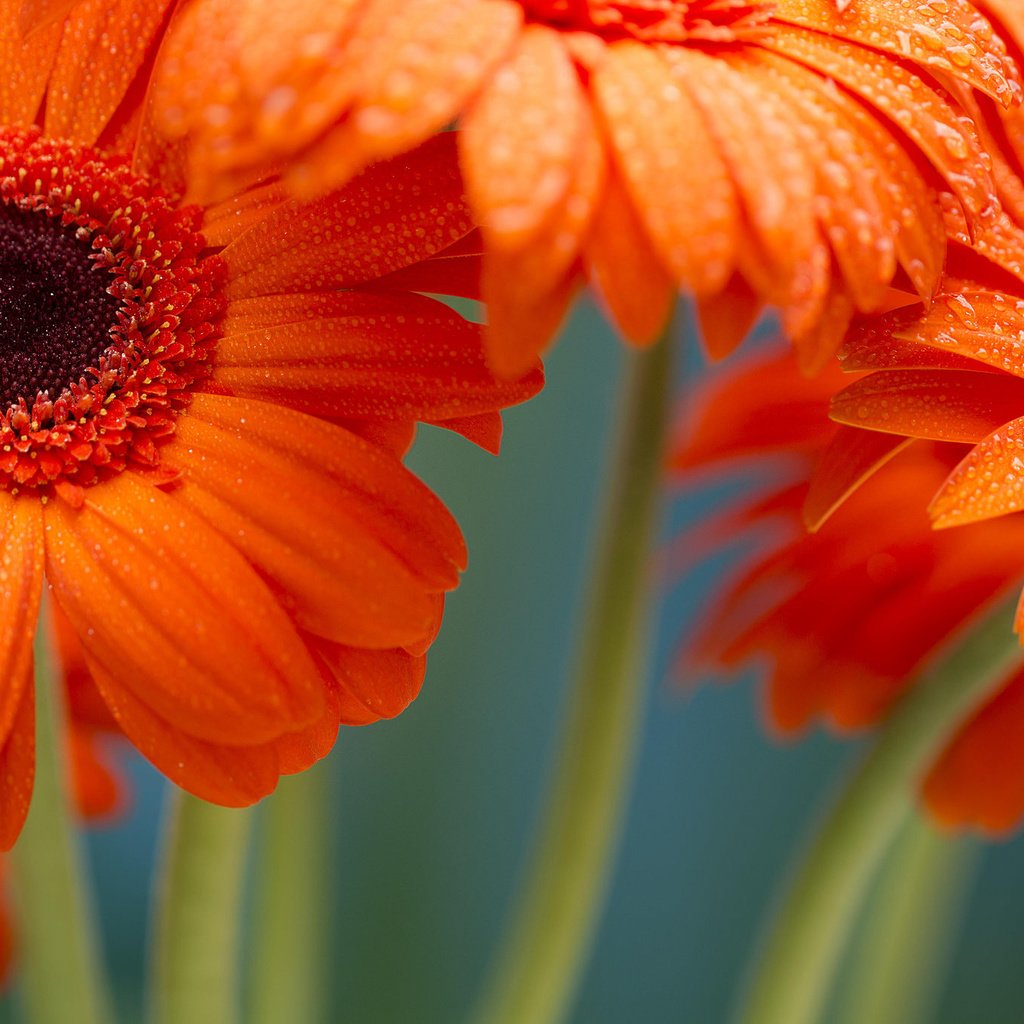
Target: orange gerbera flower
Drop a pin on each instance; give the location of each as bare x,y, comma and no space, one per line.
785,152
846,616
202,414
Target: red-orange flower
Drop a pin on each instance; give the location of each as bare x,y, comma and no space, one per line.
845,617
202,416
783,152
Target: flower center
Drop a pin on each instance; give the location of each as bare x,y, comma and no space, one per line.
109,306
55,311
670,21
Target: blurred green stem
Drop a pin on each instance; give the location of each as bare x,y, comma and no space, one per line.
911,922
198,923
287,977
535,973
58,949
799,957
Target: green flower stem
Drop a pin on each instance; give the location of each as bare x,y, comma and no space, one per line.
198,925
291,923
537,968
907,936
58,951
800,955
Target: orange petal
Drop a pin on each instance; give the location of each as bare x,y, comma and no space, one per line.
180,617
727,317
979,778
97,789
670,164
347,237
18,763
987,482
355,355
353,565
519,168
944,405
851,458
758,137
26,64
413,66
625,271
233,776
21,569
521,327
949,38
101,51
372,684
948,140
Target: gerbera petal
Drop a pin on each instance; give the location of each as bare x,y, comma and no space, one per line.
354,355
944,405
978,780
349,237
948,37
102,48
26,64
415,64
225,774
18,765
963,321
97,790
727,316
356,570
232,217
987,482
519,170
688,207
850,458
517,282
21,569
177,615
521,326
921,111
372,684
623,267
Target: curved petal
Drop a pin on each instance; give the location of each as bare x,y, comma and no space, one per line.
355,355
18,766
232,776
351,236
623,267
987,482
946,37
979,778
944,405
178,616
359,548
948,140
670,163
102,49
26,63
372,684
518,169
409,69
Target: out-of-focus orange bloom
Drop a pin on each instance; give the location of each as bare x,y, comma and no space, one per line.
750,152
846,616
202,417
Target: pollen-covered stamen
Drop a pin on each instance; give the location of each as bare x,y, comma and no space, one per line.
55,308
112,303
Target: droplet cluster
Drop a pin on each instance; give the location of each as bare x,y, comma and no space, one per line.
112,303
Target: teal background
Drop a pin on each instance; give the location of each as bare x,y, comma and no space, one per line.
433,812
